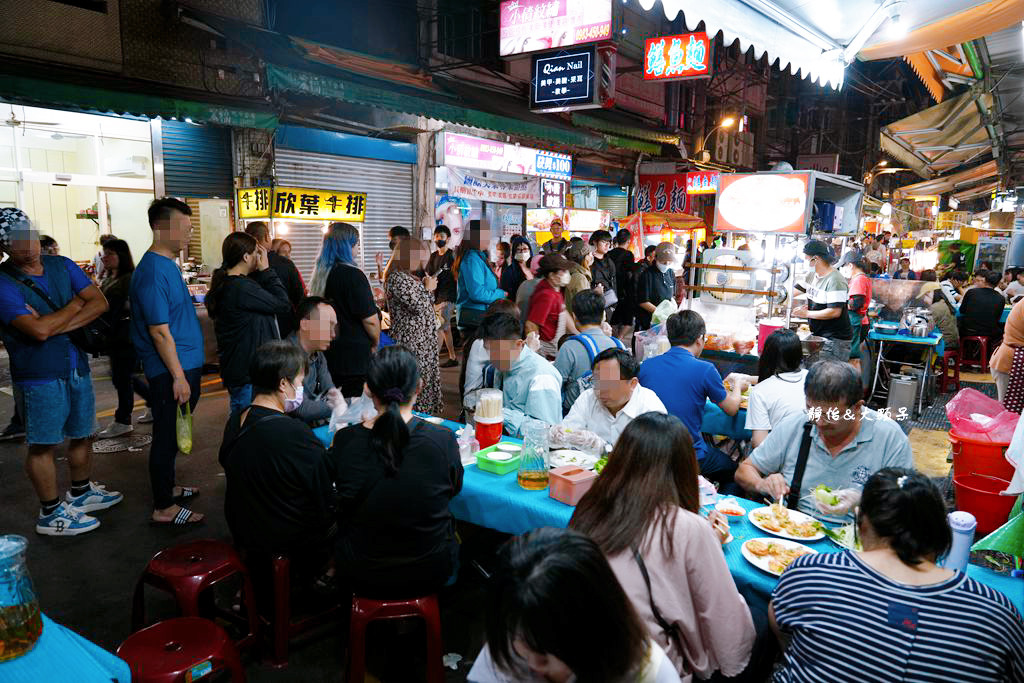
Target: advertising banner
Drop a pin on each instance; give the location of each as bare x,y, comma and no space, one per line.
462,183
563,80
677,58
702,182
827,163
531,25
467,151
762,202
662,193
301,203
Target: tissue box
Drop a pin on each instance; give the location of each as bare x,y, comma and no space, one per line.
500,467
569,483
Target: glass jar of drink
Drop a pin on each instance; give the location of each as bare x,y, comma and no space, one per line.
21,623
534,459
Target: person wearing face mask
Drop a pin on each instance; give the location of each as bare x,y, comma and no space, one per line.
518,271
580,259
656,284
827,302
279,498
440,266
245,297
547,316
395,475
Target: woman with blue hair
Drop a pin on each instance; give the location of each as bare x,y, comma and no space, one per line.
337,278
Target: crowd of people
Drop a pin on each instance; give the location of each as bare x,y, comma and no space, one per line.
637,588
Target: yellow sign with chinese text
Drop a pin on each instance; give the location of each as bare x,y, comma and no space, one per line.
301,203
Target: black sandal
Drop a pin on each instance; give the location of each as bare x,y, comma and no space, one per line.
186,492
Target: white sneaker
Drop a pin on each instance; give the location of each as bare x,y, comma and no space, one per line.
114,429
96,498
65,521
145,418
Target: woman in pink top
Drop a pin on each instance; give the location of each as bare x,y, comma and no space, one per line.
643,512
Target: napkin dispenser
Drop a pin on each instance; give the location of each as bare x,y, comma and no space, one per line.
569,482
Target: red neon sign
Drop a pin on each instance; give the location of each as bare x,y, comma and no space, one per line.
676,58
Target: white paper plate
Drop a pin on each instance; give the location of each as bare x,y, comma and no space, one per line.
500,456
762,562
567,456
434,420
509,447
796,516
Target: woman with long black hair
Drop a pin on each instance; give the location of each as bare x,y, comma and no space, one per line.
644,514
779,389
395,475
245,297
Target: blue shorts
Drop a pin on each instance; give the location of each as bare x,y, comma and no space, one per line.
58,410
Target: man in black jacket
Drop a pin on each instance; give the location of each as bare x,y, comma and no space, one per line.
286,272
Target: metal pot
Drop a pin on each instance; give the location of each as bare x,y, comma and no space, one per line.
921,329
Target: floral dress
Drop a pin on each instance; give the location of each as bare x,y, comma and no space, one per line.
414,326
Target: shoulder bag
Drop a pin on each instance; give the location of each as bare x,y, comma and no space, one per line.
671,631
797,484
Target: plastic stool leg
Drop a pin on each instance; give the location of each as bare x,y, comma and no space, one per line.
357,648
435,664
282,609
139,604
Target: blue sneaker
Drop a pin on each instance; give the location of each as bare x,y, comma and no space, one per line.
96,498
65,521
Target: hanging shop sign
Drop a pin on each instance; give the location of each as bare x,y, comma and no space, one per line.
677,58
564,80
490,155
552,193
462,183
762,202
702,182
826,163
662,193
301,203
948,221
531,25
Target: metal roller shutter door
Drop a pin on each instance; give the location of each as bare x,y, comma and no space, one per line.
389,200
197,160
619,206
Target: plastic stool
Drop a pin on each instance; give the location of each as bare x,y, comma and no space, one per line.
965,359
950,362
283,626
186,570
365,610
181,649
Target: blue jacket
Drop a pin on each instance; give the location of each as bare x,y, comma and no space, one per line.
33,360
531,388
478,287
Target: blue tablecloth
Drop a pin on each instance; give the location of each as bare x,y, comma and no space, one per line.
716,422
62,655
499,503
935,340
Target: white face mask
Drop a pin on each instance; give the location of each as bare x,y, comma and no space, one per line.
292,404
522,256
564,279
662,267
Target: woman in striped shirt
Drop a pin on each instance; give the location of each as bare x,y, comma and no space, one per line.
888,612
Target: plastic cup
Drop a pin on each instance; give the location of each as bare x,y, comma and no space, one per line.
488,433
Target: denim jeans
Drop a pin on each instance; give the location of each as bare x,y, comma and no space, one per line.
57,410
241,397
164,449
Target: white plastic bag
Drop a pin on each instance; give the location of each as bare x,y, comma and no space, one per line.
357,410
663,310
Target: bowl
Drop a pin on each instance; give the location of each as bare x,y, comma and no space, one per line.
812,344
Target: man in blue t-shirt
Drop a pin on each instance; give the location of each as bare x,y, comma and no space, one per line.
685,384
169,343
42,299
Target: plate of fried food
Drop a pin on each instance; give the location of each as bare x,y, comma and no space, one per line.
781,521
773,555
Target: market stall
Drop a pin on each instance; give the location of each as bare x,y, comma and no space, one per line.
650,227
575,222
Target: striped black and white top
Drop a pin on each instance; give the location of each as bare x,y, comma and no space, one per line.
851,623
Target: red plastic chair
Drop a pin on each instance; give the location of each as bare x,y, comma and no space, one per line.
981,360
283,627
365,610
188,569
949,363
183,649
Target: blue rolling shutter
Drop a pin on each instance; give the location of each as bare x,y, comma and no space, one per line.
197,160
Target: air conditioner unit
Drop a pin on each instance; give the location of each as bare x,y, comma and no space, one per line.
129,167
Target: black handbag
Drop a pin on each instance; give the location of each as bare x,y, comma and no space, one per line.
801,466
93,338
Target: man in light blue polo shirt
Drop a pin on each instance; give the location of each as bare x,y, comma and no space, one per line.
685,384
848,445
168,341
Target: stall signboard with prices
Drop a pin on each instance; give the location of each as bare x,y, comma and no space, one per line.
826,163
702,182
763,202
677,58
301,203
552,193
662,193
462,183
532,25
467,151
564,80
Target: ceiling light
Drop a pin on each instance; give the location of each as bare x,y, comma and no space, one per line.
953,203
886,209
883,162
897,24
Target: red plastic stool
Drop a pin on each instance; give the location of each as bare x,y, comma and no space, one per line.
186,570
182,649
966,359
949,363
283,624
365,610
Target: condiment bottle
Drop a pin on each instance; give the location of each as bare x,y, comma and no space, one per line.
963,525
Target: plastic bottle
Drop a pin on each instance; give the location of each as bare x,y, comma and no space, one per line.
963,525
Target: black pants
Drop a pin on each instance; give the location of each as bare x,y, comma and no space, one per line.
719,468
122,374
165,441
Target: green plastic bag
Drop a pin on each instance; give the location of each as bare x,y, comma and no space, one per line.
183,426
